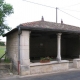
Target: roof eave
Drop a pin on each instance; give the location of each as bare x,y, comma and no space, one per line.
48,29
29,28
13,30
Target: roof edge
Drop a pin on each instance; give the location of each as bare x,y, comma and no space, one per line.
40,29
10,32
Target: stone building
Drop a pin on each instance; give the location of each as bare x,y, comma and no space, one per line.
28,42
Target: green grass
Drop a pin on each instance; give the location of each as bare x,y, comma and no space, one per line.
2,50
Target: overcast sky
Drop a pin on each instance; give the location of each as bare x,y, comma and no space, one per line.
26,12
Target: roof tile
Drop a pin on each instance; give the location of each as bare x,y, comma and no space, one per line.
50,25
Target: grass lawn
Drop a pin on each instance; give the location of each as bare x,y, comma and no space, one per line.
2,50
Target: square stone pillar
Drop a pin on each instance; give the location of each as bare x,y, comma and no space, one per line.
24,53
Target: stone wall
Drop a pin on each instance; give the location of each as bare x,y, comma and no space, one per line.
76,63
12,47
12,50
54,66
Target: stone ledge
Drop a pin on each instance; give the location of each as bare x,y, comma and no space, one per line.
5,63
51,62
77,59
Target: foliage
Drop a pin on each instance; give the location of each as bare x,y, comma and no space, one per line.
2,44
46,58
5,10
7,60
2,50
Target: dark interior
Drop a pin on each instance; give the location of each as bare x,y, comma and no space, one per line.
43,44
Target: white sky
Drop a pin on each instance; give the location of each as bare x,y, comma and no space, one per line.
27,12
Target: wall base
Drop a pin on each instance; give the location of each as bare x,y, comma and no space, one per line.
76,63
24,70
38,68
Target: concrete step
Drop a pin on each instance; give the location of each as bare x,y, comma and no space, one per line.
5,73
4,69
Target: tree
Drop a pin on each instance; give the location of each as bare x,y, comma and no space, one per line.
5,10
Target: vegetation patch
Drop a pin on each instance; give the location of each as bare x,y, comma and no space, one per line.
2,50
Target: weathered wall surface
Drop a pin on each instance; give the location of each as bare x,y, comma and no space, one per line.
12,47
76,63
12,50
48,68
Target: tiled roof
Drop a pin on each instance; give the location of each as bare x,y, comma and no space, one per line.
50,25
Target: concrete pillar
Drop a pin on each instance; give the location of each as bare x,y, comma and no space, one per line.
59,46
79,46
24,53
